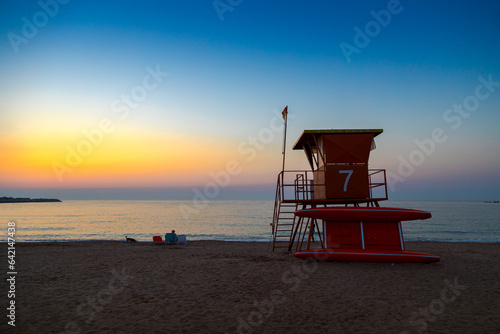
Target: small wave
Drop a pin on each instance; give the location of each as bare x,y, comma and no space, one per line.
451,240
37,229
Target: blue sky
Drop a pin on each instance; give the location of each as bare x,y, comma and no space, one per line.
228,79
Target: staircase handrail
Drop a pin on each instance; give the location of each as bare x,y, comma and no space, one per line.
277,200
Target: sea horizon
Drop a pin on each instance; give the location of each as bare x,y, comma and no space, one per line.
224,220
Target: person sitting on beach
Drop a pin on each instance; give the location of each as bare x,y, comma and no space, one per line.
174,235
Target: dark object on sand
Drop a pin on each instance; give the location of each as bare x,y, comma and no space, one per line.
130,239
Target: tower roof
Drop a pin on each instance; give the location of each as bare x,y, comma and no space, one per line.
308,135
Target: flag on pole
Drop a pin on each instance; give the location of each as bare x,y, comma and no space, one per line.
285,112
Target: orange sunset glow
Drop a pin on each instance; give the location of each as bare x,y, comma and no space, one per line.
126,157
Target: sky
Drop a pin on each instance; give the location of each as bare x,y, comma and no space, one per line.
164,100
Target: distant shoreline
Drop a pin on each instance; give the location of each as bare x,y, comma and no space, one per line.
145,242
27,200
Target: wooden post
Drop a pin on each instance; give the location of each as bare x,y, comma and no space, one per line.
311,232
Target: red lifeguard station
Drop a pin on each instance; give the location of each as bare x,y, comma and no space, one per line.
338,201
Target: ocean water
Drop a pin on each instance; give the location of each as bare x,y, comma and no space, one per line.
220,220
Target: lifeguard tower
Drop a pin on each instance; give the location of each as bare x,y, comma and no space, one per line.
339,174
342,192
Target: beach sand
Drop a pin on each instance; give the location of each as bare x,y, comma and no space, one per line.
240,287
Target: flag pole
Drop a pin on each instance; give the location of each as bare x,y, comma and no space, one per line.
285,117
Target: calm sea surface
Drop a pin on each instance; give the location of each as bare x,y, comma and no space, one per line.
220,220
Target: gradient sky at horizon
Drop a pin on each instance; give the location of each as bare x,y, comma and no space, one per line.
228,81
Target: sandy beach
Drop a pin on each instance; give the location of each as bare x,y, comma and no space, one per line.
240,287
